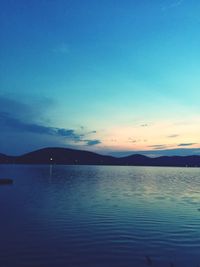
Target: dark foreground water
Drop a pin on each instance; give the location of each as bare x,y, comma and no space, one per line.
92,216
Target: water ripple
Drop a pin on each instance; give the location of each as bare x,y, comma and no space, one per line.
100,216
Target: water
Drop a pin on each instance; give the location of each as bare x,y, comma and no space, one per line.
95,216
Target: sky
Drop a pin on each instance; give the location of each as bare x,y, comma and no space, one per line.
110,76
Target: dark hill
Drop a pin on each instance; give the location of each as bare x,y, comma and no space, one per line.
67,156
190,161
64,156
138,160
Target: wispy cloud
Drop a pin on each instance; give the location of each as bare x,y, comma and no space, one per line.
17,117
132,140
173,136
187,144
158,146
8,121
62,48
172,4
92,142
26,109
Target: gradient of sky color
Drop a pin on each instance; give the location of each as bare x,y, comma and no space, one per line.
101,75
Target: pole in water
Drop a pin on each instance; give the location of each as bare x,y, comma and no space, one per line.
50,169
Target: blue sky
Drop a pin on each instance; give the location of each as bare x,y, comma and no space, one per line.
101,75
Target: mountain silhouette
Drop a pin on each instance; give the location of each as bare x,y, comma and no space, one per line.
56,155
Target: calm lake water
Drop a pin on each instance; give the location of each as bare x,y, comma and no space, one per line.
92,216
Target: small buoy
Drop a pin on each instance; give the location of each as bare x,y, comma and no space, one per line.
6,181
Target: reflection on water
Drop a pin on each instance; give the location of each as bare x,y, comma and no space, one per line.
99,216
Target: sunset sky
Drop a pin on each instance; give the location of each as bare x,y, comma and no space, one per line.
108,76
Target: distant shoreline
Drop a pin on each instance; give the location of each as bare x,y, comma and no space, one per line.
98,165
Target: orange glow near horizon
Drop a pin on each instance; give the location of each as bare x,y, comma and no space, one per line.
158,135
